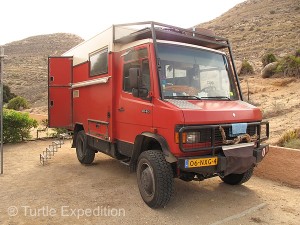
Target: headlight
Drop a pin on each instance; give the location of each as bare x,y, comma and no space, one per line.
192,137
188,138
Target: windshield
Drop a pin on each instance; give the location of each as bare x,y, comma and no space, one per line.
187,72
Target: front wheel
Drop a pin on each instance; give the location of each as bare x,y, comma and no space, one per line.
155,178
236,179
85,155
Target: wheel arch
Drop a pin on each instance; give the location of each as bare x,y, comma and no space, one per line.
149,141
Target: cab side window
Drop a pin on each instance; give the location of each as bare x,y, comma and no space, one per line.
126,85
137,59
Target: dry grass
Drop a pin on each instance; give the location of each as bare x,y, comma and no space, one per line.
277,109
290,139
293,143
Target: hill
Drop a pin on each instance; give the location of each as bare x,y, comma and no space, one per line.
26,64
255,27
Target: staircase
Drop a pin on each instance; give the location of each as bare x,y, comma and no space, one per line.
53,148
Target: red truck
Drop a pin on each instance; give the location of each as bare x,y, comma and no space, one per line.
164,100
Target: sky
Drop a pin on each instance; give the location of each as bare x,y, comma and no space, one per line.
25,18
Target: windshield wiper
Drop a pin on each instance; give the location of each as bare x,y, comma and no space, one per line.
183,97
216,97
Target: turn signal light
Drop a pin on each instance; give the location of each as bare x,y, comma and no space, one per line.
177,138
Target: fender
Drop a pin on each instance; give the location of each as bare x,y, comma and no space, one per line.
139,148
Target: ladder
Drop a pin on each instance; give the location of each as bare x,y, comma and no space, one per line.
53,148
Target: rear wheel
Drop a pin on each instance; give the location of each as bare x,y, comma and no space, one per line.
236,179
85,155
155,178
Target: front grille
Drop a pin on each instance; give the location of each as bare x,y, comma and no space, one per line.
211,137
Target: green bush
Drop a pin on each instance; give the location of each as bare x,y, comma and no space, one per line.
268,58
18,103
16,126
7,94
289,66
246,68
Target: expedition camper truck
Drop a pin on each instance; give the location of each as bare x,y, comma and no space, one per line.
161,99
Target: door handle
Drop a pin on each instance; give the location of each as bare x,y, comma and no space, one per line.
121,109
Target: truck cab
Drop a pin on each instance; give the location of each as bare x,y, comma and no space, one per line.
164,100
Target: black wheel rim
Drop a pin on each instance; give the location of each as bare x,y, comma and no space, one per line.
147,179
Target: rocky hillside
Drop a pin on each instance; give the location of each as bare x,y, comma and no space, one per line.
255,27
26,64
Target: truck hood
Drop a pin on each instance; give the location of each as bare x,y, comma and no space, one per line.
216,112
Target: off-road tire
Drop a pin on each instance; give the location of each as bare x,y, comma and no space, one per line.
236,179
85,155
155,178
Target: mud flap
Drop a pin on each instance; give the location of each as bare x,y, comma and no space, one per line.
239,158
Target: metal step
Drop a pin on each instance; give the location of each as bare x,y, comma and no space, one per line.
53,148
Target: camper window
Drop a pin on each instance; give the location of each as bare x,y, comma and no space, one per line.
99,62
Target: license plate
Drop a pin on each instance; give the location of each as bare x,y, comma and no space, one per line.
191,163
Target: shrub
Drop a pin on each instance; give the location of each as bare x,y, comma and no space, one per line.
289,66
246,68
294,143
44,122
290,138
18,103
268,58
16,126
7,94
58,131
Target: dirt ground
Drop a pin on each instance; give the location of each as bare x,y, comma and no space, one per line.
66,192
281,165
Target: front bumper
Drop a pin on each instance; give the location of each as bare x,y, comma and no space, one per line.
238,160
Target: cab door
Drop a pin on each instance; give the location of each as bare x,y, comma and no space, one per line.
134,115
59,92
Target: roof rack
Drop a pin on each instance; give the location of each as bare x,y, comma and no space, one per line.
161,31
